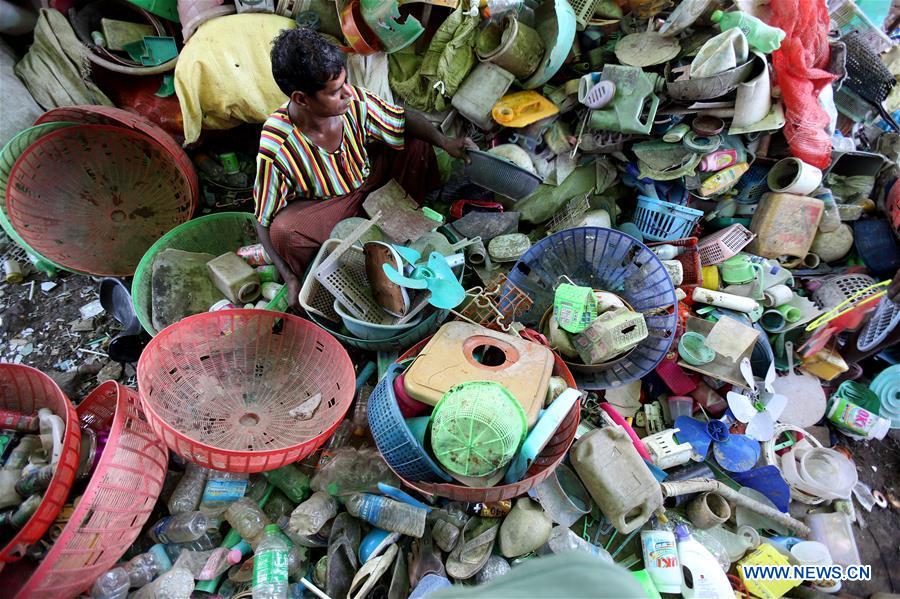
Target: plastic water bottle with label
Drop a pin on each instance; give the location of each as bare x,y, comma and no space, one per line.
222,489
189,490
388,514
270,566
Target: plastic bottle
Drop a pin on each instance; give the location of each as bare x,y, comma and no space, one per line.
857,421
26,510
206,565
831,216
137,572
311,515
112,584
291,481
177,583
189,490
702,575
562,539
222,489
661,560
270,566
339,439
208,540
35,482
18,457
667,251
760,36
385,513
180,528
247,519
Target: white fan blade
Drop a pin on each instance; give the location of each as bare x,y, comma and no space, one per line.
761,428
770,376
741,406
747,371
775,404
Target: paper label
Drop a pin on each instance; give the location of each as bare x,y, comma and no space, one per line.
224,490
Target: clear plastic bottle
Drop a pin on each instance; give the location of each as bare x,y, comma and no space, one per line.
206,565
18,457
143,568
247,519
311,515
189,490
831,216
388,514
270,566
563,540
339,439
222,489
112,584
180,528
177,583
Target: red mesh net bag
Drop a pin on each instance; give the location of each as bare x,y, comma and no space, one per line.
800,70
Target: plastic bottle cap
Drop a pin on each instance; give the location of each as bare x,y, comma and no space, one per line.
234,556
717,16
681,532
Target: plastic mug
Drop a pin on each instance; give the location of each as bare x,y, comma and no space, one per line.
792,175
680,405
708,510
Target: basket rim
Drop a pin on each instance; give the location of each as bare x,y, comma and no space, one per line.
155,420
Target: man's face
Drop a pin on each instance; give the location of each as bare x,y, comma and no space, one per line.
332,100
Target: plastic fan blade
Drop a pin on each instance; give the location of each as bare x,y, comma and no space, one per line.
409,254
446,291
761,428
747,371
775,404
770,378
396,277
737,453
768,481
741,406
694,432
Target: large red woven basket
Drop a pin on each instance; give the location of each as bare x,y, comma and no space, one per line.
107,115
25,389
222,388
93,198
117,501
543,466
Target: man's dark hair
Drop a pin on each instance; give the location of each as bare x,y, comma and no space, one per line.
303,60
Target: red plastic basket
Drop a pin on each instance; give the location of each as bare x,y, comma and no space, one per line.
543,466
117,501
690,261
94,198
220,387
107,115
24,389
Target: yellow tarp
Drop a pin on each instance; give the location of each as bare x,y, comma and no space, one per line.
224,73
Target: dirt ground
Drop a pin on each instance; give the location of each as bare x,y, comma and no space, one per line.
44,327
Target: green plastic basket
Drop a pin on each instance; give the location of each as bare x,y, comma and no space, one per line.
477,428
213,234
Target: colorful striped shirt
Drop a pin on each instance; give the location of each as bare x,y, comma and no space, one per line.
289,164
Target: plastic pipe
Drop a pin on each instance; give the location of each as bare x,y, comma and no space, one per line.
777,295
724,300
792,175
811,260
703,485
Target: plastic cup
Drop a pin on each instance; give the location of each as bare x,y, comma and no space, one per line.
680,405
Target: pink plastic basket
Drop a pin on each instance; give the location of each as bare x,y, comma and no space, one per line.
723,244
25,389
222,388
117,501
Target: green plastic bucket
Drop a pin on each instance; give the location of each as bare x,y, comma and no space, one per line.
213,234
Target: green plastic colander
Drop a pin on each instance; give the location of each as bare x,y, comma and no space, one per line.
477,428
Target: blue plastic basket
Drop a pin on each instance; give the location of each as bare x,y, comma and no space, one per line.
876,245
664,221
609,260
753,184
396,443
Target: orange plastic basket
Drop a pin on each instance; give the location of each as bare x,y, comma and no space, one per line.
24,389
224,389
117,501
94,198
690,260
543,466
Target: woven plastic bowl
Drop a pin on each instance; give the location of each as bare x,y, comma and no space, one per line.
222,388
212,234
24,389
93,198
117,501
544,465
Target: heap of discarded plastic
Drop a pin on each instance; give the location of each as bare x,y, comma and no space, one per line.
632,326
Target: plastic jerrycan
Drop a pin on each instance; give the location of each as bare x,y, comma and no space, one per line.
785,225
461,352
616,477
635,91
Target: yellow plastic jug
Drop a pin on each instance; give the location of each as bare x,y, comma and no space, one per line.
521,109
461,352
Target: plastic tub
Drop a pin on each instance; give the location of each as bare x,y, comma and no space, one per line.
658,220
25,389
115,504
224,389
371,331
213,234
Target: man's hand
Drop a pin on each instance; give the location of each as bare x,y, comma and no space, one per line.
293,291
457,147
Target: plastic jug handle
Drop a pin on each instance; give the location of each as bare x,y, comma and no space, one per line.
654,104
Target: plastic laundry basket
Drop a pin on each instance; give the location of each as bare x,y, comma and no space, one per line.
658,220
93,198
212,234
227,389
25,389
544,465
395,441
115,504
690,261
724,244
613,261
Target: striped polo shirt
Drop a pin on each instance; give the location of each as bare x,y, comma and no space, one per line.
289,164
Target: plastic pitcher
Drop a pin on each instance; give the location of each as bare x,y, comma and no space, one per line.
616,477
635,92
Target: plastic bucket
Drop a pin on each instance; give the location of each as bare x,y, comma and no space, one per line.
511,45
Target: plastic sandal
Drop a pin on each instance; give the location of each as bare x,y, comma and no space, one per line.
371,572
343,546
474,547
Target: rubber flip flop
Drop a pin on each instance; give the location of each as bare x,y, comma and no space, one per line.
371,572
474,547
343,545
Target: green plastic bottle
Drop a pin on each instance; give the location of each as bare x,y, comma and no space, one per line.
291,481
760,36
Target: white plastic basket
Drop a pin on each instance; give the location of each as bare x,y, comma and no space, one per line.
723,244
314,298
